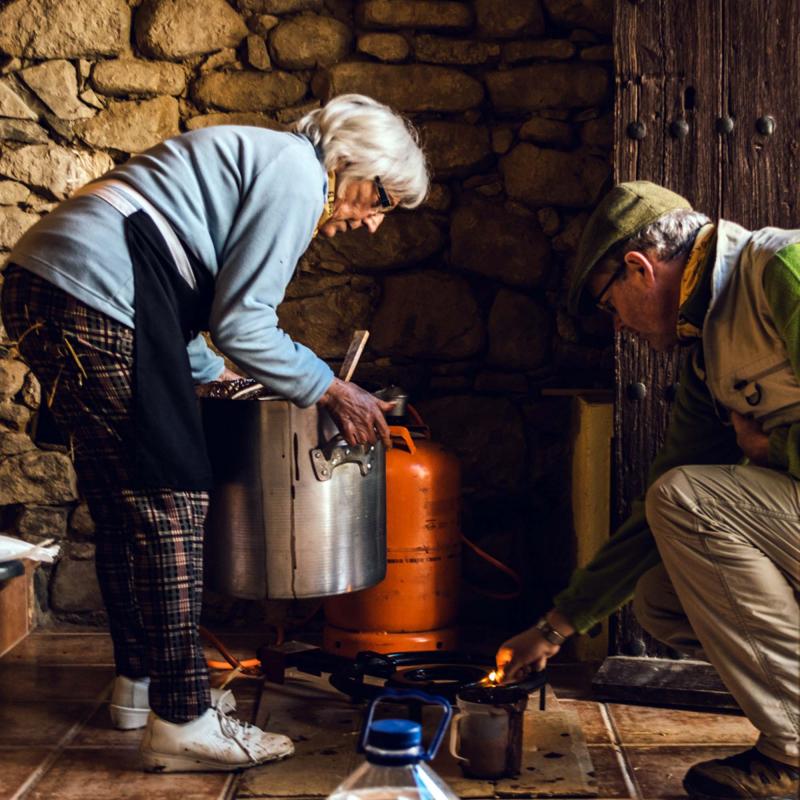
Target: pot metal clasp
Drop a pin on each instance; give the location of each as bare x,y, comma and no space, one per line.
325,459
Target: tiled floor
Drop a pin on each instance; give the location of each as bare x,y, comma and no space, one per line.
56,740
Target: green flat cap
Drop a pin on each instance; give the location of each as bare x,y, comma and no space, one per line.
623,212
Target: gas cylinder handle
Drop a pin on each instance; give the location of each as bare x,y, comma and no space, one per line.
405,434
405,694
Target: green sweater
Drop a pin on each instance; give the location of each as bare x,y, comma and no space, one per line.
695,436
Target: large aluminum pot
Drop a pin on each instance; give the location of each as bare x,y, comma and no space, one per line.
295,511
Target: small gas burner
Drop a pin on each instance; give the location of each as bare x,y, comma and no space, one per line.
435,672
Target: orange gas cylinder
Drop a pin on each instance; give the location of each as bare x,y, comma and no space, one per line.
416,605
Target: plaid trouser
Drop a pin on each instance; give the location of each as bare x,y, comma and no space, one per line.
149,542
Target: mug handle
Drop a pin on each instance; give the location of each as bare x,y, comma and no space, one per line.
454,731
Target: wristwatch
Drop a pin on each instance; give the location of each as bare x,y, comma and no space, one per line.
549,632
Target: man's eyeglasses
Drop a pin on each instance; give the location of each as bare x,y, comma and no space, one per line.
604,305
384,203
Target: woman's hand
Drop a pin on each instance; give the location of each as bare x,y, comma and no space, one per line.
752,441
529,650
358,414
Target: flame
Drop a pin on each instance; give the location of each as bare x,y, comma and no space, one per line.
492,679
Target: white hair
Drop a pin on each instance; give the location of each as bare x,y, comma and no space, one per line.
670,235
362,139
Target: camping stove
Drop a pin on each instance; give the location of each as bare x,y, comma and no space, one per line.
362,678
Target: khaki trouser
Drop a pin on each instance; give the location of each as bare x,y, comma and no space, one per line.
729,586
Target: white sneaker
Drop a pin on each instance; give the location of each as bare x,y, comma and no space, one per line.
210,743
130,705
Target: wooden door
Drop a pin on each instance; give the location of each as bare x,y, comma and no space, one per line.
707,105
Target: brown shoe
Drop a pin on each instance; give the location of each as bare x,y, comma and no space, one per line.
750,774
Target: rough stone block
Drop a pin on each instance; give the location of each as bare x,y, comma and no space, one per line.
541,177
247,91
233,118
65,28
221,59
13,223
487,435
528,50
309,41
442,50
383,46
520,329
325,322
454,148
279,6
75,588
596,15
13,130
42,522
420,14
12,377
403,239
414,87
488,240
56,85
14,416
503,19
175,29
132,126
37,477
599,132
427,315
81,522
598,52
257,53
11,104
13,443
129,76
547,131
59,170
548,86
262,24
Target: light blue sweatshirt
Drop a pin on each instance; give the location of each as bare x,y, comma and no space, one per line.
245,201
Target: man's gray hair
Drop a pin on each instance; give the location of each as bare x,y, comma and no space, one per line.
362,139
669,236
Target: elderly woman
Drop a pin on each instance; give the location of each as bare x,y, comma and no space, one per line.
106,297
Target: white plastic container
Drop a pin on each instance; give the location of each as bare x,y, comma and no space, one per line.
396,767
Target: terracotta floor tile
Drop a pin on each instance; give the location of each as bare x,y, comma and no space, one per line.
665,726
593,725
608,772
659,771
24,681
99,732
63,648
38,723
16,765
116,774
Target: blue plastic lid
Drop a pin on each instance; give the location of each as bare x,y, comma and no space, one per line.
395,734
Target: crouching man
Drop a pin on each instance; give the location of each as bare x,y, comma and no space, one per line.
712,556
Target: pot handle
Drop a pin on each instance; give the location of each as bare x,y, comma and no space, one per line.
454,730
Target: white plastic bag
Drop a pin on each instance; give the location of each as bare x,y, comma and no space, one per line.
12,549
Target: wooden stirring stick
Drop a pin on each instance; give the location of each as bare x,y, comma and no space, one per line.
353,354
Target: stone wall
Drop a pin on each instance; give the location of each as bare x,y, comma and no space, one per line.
464,297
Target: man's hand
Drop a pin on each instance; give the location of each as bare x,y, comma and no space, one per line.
752,441
529,650
358,414
203,389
